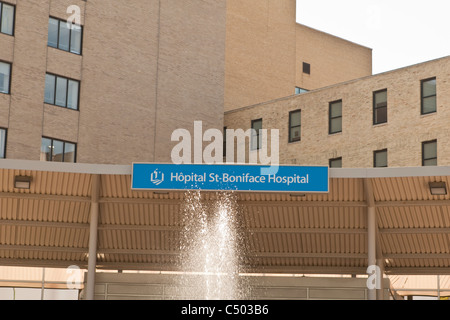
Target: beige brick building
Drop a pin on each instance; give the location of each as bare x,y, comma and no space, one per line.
112,88
401,136
266,49
160,68
117,94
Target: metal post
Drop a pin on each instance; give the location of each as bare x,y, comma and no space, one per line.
371,238
380,291
371,242
439,287
92,259
43,284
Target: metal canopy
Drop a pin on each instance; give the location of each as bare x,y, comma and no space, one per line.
49,224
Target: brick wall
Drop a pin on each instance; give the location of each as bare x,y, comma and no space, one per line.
402,135
332,59
147,68
266,48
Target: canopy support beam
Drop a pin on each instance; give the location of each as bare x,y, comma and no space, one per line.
375,262
93,234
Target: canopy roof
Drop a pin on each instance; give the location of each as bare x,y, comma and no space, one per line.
48,225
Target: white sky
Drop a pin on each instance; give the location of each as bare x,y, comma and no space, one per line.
400,32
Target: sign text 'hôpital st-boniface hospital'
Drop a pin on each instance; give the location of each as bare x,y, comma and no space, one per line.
152,176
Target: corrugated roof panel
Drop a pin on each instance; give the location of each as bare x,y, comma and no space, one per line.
414,243
50,237
137,239
139,259
52,210
26,255
8,208
130,220
273,243
139,214
407,189
308,262
419,263
340,190
47,183
413,217
272,216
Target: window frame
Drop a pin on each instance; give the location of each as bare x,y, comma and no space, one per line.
10,76
330,161
375,107
330,118
64,148
423,152
67,92
422,97
306,68
224,141
299,90
258,135
6,142
375,153
290,127
70,36
14,18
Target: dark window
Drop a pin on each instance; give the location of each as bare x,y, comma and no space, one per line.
380,107
306,68
57,150
429,153
5,77
295,125
7,13
380,159
64,35
61,91
336,163
428,94
256,138
2,143
224,141
335,117
300,90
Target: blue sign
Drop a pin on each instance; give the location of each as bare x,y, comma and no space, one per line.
151,176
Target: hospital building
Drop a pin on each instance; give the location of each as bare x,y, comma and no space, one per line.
89,87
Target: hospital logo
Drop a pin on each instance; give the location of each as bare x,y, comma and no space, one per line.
157,177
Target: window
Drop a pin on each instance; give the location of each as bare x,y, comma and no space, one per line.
300,90
380,159
428,89
295,125
336,163
380,107
57,151
429,153
306,68
335,117
61,91
224,142
5,77
256,138
7,13
64,35
2,143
